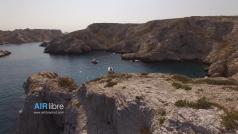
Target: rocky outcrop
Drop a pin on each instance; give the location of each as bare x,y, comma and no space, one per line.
4,53
41,88
211,40
28,35
44,44
132,104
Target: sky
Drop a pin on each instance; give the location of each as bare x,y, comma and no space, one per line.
71,15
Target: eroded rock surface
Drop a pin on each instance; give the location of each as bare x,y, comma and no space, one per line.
131,104
20,36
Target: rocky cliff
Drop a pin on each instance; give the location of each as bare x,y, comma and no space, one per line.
132,104
211,40
28,35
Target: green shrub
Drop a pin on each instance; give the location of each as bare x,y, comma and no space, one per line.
200,104
215,81
139,98
144,74
230,120
68,83
182,78
178,85
161,120
110,84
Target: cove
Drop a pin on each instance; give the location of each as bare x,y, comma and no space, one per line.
29,58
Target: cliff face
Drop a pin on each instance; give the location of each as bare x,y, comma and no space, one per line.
211,40
132,104
28,35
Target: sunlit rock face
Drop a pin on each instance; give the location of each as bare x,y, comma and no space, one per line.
211,40
20,36
129,104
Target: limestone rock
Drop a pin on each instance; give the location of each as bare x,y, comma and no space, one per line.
128,104
202,39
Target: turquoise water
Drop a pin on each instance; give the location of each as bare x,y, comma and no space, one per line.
29,58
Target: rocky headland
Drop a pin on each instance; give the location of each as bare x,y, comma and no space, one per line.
4,53
20,36
132,104
211,40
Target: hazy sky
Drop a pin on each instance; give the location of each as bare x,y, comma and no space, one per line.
70,15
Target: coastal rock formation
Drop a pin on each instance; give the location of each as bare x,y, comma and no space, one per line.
4,53
44,44
39,88
132,104
211,40
28,35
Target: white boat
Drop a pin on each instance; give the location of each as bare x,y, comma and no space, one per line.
94,61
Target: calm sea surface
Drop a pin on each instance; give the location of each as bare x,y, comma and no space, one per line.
29,58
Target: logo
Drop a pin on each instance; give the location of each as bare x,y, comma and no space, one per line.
48,108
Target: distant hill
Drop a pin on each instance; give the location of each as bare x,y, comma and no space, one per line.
28,35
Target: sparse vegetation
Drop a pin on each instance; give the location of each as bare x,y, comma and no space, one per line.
68,83
178,85
119,75
182,78
234,88
229,120
111,84
161,120
123,87
144,74
139,98
211,81
94,80
216,81
200,104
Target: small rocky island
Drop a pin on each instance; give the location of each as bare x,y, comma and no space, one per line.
132,104
4,53
20,36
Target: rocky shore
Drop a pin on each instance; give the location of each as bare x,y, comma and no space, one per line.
4,53
132,104
20,36
211,40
